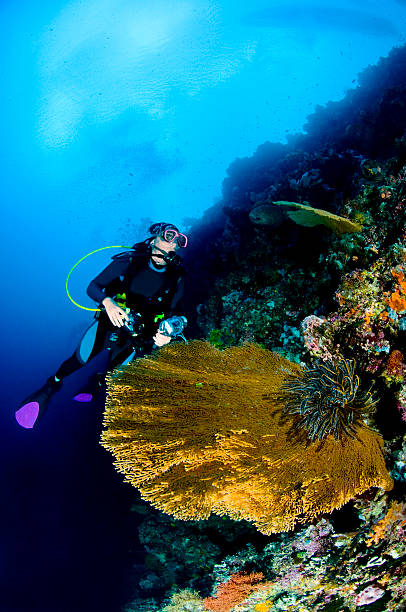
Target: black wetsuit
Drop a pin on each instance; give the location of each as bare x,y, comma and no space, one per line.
149,291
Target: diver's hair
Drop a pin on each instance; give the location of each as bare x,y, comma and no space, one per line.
157,228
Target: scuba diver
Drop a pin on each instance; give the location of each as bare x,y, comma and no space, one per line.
137,295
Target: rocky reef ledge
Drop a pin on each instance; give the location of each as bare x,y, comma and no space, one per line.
314,295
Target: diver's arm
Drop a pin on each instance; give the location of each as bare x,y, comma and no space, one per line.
96,288
162,339
115,313
176,300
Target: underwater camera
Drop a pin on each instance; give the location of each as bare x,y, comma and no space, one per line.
134,323
173,327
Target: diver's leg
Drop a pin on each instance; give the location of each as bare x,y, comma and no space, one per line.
34,406
91,344
97,383
118,351
72,364
118,358
104,340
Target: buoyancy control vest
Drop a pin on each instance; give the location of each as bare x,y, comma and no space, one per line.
137,259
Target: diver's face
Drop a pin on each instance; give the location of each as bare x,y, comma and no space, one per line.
161,247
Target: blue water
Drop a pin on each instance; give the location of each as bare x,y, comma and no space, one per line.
115,114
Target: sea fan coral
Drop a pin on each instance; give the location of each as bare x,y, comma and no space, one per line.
233,592
308,216
199,430
395,514
326,399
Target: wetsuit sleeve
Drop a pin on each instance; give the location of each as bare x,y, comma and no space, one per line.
97,287
176,300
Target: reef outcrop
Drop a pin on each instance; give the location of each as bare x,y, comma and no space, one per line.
313,297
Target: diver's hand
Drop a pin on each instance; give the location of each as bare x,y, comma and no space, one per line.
161,339
116,314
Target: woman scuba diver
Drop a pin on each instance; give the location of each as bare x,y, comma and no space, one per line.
136,293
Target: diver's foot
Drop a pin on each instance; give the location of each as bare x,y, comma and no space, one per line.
95,386
34,406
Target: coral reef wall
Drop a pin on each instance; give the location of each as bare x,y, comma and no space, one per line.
313,297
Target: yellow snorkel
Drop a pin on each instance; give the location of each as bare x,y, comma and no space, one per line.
77,263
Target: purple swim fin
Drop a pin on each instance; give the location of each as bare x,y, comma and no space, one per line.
27,415
95,386
83,397
34,406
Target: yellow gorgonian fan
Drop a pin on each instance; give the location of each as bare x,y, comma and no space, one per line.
306,215
198,430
